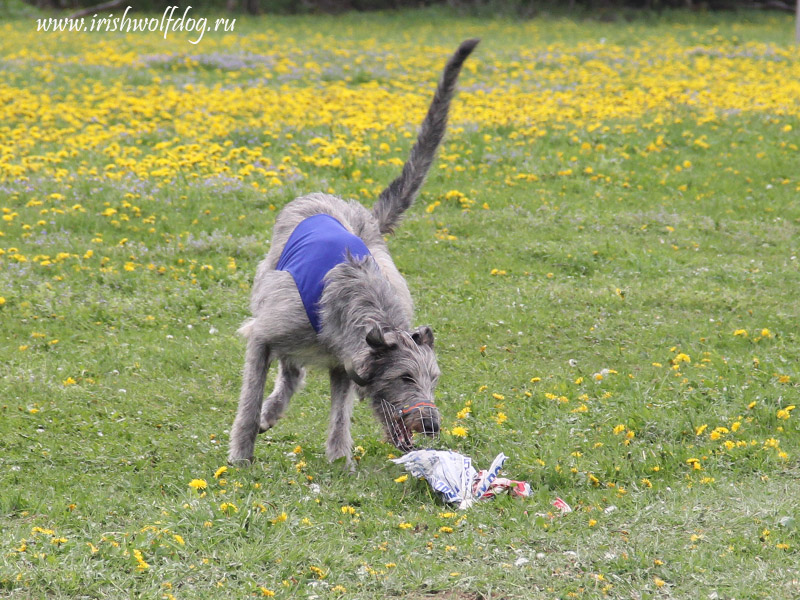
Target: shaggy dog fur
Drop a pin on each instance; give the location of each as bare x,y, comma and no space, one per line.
366,340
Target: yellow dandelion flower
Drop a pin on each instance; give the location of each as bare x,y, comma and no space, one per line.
718,433
198,484
459,431
319,573
141,563
228,507
281,518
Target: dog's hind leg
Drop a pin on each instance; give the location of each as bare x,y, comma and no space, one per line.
246,424
340,442
288,381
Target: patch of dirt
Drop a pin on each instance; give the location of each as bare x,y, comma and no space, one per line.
445,595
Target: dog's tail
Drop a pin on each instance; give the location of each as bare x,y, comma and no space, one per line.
400,194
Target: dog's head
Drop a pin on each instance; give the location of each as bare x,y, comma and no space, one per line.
399,373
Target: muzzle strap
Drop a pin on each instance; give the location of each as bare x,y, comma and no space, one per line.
417,405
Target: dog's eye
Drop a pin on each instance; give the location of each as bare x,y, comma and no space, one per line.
407,378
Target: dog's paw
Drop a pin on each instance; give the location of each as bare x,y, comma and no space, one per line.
239,461
270,415
334,453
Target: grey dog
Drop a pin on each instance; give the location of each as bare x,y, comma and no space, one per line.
359,328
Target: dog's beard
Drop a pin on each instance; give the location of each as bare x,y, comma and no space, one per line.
395,427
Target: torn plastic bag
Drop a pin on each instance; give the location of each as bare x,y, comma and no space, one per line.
453,475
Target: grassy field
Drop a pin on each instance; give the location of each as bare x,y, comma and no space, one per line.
607,249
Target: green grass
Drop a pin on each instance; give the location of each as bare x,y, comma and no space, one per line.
118,387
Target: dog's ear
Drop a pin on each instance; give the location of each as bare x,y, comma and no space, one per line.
423,336
380,340
375,337
352,373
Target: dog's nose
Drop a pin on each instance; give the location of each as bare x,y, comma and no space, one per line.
430,425
422,417
430,421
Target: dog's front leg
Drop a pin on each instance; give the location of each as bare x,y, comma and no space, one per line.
246,425
340,442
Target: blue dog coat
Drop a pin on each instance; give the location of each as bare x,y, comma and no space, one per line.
316,245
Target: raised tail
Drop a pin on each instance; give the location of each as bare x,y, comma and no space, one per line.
400,194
